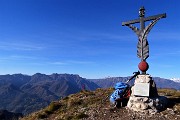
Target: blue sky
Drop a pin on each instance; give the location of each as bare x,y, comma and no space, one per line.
85,37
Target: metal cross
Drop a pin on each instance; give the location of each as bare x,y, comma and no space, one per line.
143,46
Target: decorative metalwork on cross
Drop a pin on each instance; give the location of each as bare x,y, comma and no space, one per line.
143,46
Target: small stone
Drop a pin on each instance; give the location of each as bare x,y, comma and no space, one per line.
131,101
144,106
146,111
138,105
135,99
150,104
135,109
152,112
133,106
145,99
139,99
150,100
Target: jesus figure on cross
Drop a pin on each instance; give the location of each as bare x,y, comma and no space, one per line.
143,46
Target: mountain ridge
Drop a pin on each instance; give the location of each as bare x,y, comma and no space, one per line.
26,94
160,82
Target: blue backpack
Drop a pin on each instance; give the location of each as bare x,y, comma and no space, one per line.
120,88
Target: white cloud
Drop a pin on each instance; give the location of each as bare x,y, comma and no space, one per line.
58,63
22,57
19,59
20,46
69,62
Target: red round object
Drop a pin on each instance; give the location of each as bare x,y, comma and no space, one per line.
143,66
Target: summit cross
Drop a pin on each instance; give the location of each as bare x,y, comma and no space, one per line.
143,46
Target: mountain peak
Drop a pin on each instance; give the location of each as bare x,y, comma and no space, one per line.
38,90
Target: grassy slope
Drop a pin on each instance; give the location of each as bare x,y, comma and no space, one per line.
95,105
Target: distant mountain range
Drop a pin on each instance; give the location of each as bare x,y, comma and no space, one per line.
160,82
25,94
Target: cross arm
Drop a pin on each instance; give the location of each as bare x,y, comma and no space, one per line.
155,17
131,22
145,19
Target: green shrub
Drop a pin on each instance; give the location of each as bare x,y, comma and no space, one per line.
53,106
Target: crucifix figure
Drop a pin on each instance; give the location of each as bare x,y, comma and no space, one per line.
142,32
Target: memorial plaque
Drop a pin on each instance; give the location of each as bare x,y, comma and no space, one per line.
141,89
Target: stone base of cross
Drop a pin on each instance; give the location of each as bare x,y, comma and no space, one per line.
144,97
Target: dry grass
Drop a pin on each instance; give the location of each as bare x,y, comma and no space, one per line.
75,106
169,92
